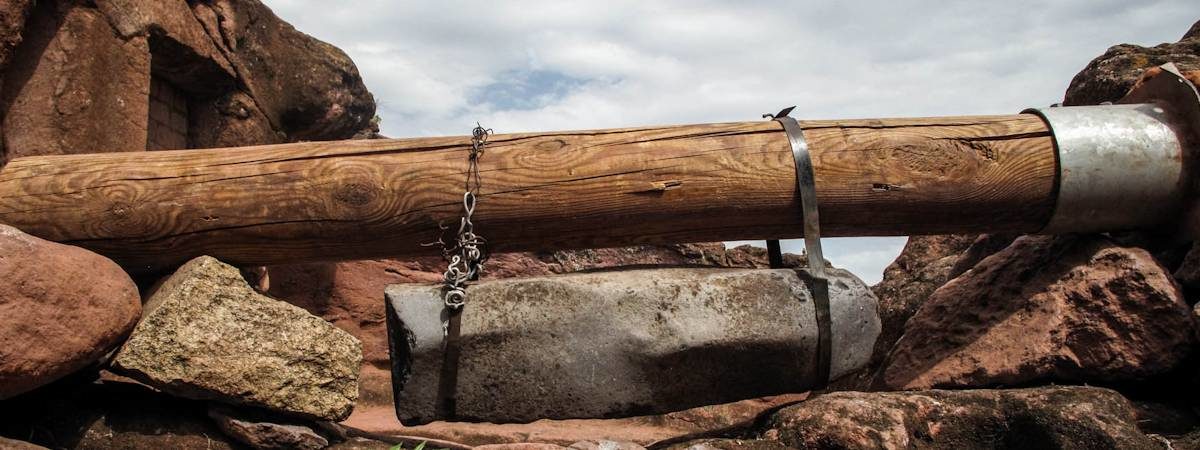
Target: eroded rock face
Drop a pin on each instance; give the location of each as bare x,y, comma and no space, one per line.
12,21
324,100
61,309
621,343
1109,76
1050,417
75,87
1073,308
207,334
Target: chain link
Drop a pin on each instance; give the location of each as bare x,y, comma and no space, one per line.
467,252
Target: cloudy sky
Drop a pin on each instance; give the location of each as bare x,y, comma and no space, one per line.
437,67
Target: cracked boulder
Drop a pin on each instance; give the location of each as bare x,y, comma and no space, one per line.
1066,308
207,334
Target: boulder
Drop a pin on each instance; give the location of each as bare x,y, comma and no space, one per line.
326,99
1076,308
347,293
621,343
1050,417
925,264
1109,76
207,334
264,431
62,308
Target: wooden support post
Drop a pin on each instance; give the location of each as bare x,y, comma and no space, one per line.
381,198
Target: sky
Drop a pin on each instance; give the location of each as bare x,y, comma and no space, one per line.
436,68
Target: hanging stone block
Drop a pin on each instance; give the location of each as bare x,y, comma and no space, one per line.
621,343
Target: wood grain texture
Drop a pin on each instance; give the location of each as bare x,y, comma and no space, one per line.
377,198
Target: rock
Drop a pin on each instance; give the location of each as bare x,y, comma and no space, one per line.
61,309
621,343
206,334
232,120
13,444
261,431
925,264
324,100
75,87
110,415
728,444
13,14
1109,76
347,293
707,420
183,51
1050,417
605,444
1075,308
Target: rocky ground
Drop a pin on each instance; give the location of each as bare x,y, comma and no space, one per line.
987,341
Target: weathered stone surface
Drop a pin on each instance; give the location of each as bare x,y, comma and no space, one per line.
1051,417
207,334
261,431
108,415
231,120
13,444
1046,308
736,417
1109,76
183,52
925,264
347,293
13,14
611,344
326,99
61,309
75,87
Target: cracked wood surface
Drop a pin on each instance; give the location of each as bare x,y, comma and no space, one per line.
378,198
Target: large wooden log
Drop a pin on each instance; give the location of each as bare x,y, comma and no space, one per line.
379,198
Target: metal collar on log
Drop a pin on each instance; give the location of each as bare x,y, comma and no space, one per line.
819,285
1125,166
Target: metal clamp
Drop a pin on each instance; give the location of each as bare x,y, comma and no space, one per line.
819,286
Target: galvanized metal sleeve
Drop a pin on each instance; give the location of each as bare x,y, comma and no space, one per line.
1119,167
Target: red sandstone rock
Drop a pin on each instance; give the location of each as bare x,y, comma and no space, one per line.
1109,76
1046,308
1052,417
73,86
325,100
644,430
61,309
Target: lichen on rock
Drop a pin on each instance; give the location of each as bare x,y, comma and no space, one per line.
208,335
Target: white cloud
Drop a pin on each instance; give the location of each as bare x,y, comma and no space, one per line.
662,62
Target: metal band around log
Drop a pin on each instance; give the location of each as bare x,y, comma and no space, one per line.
819,287
1119,167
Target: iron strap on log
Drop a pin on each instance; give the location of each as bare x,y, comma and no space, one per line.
381,198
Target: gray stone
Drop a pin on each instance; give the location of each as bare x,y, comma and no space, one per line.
208,335
261,431
623,343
